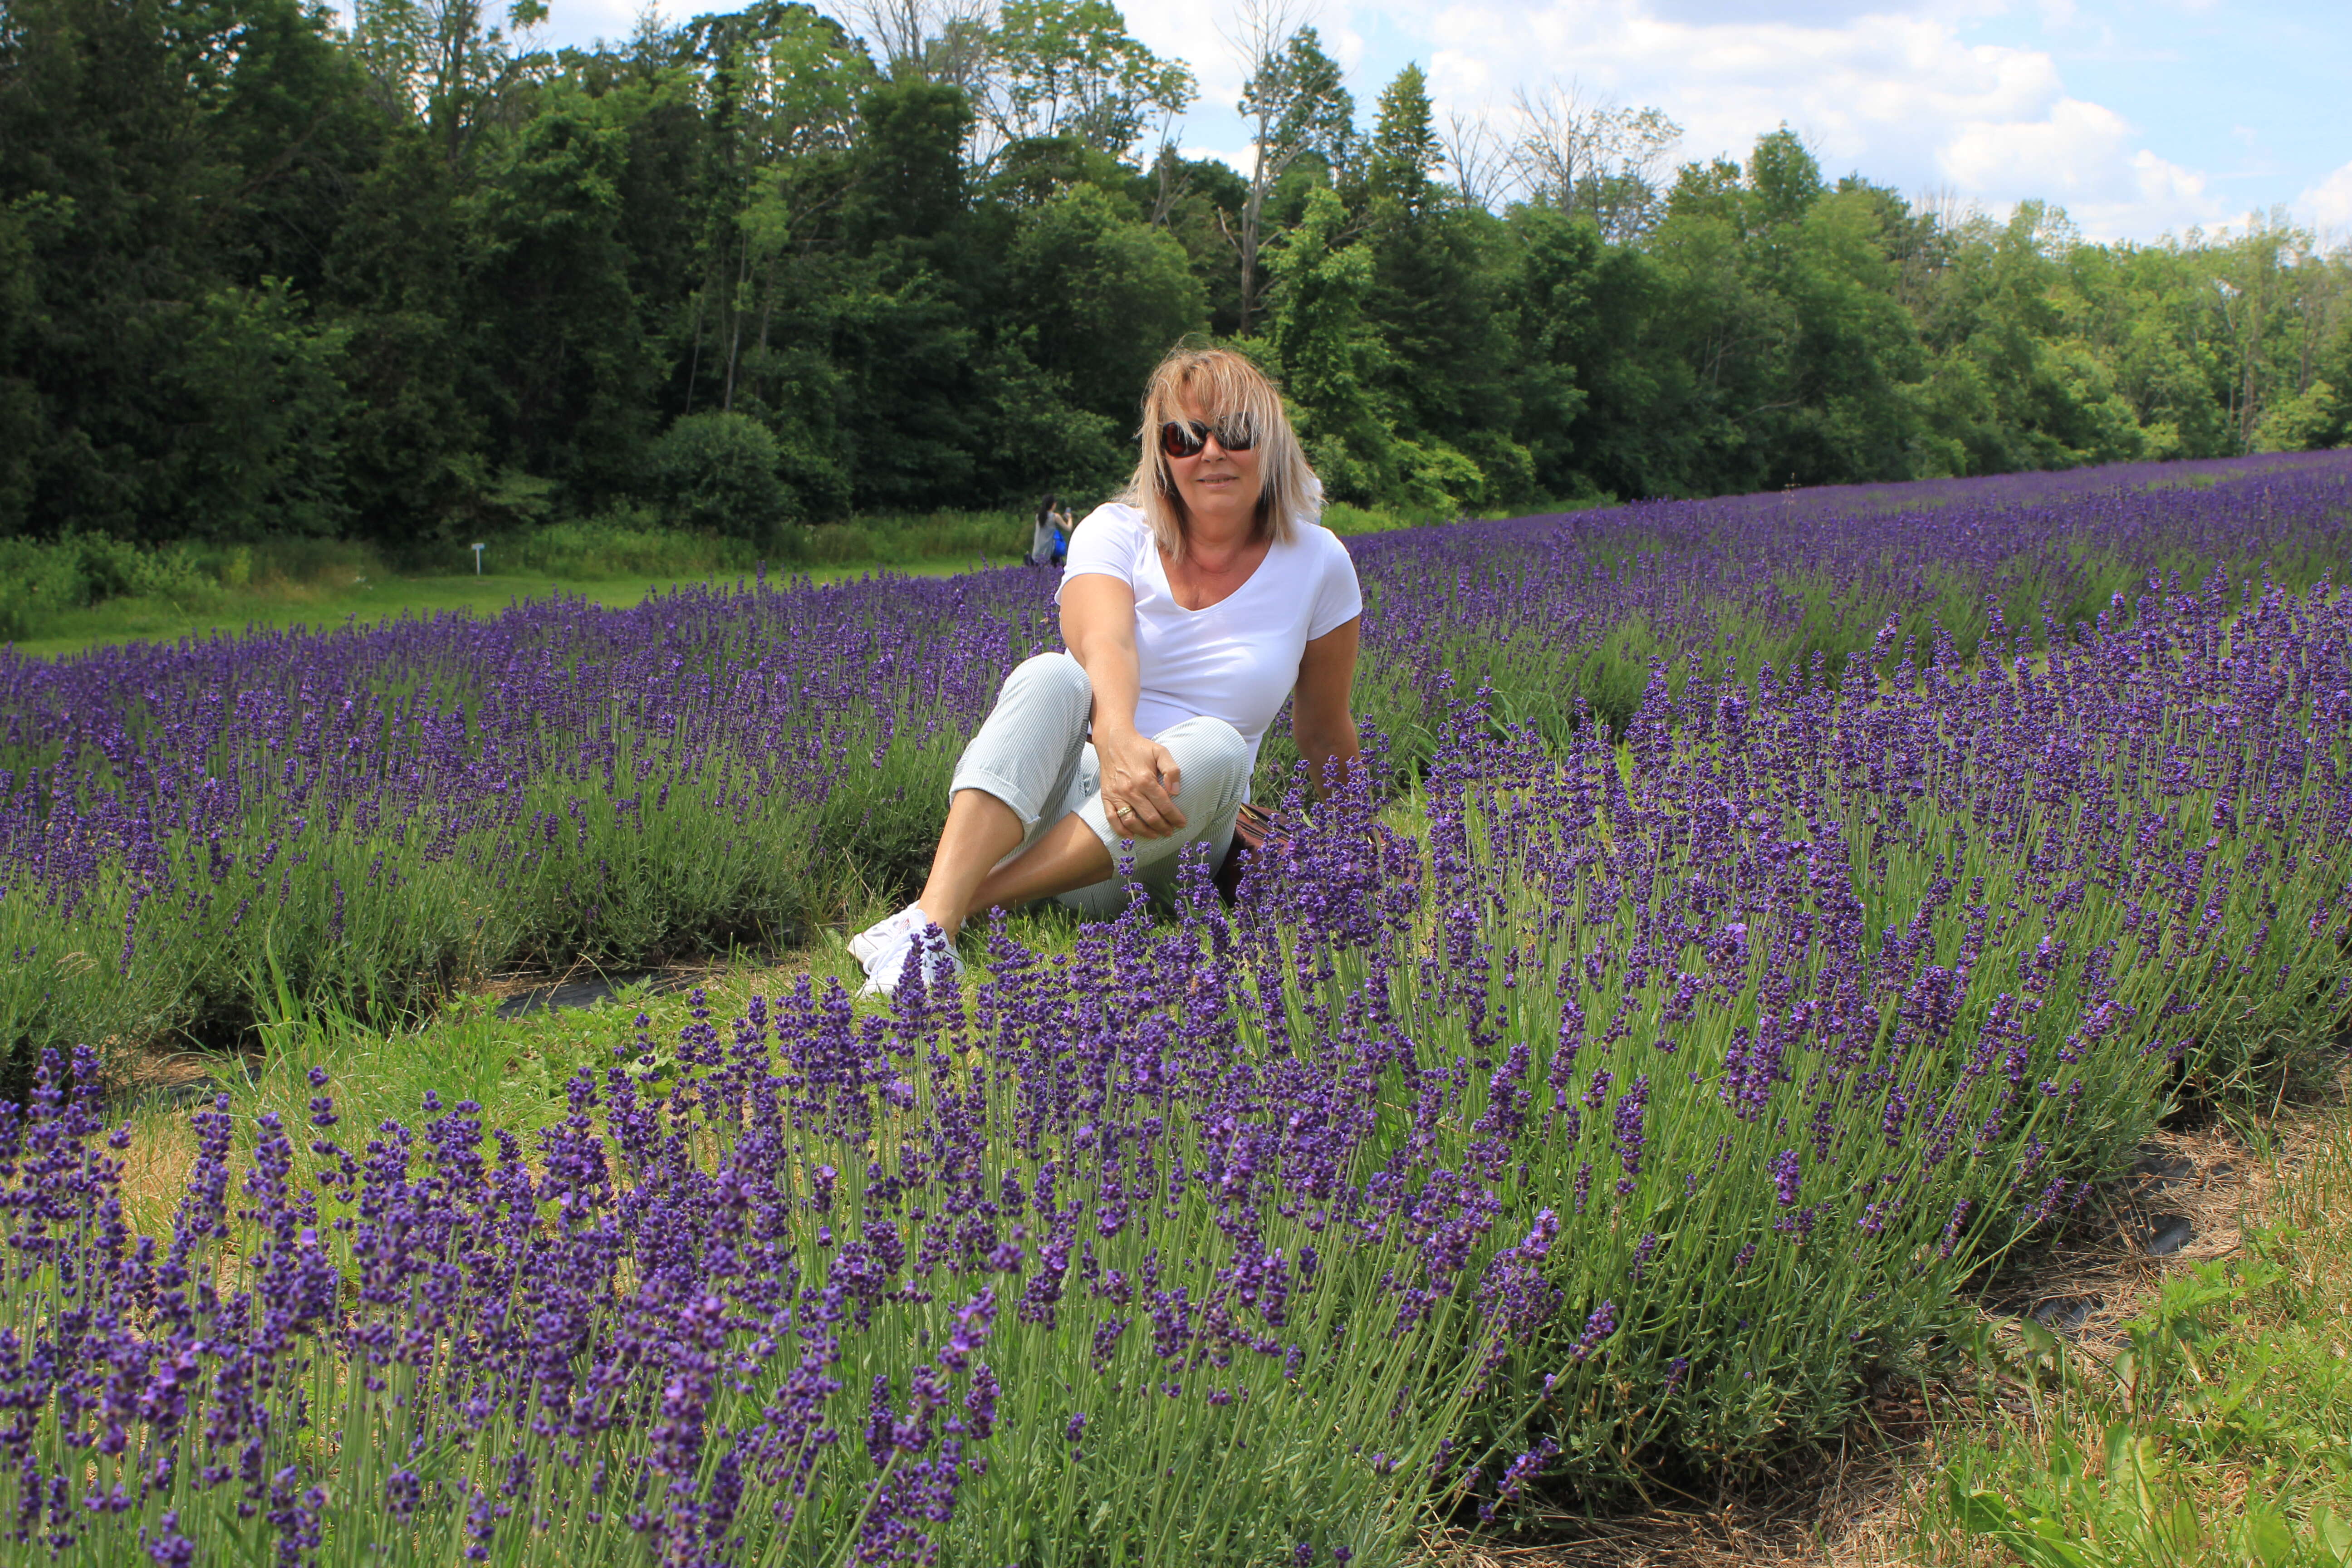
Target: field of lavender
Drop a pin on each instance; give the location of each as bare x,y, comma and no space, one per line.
1770,911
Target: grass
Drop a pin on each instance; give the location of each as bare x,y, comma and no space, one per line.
279,606
79,595
2202,1414
514,1068
2211,1425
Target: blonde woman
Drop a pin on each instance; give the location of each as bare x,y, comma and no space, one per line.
1193,607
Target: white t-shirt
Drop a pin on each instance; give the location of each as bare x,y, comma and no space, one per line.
1238,659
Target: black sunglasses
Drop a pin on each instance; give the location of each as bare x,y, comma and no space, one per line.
1185,437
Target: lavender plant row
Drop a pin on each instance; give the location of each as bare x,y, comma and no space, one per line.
1667,1087
1568,614
194,836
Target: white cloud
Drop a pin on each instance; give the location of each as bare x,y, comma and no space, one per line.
1958,96
1898,90
1458,78
2329,202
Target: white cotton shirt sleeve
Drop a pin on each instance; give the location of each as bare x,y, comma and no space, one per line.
1107,544
1338,597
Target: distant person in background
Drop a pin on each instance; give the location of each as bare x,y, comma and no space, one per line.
1046,541
1194,607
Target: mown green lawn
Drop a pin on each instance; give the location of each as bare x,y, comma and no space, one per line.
278,607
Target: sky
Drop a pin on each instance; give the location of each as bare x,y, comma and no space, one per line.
2141,120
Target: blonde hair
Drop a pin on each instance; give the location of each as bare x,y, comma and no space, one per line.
1222,384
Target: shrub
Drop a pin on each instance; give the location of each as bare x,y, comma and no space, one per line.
626,542
41,579
717,472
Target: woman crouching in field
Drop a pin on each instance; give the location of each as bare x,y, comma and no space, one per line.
1192,607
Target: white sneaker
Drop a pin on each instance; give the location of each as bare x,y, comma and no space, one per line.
882,949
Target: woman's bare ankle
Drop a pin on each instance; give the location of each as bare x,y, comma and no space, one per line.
941,914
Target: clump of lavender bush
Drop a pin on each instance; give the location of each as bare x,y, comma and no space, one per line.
1817,994
1005,1280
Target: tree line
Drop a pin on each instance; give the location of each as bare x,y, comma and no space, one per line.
408,278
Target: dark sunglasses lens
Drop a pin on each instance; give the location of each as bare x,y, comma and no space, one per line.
1182,438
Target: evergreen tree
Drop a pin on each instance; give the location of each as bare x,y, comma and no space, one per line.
1404,150
1442,374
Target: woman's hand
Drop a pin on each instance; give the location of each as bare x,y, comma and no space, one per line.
1139,782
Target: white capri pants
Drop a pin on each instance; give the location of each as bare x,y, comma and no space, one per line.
1033,755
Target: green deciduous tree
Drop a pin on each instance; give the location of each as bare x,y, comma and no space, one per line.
1324,345
1105,297
2025,391
154,159
1069,68
263,384
399,280
909,180
1333,362
1297,103
446,62
573,366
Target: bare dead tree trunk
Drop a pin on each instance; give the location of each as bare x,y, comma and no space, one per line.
1551,155
735,327
1169,180
1476,156
1253,225
1262,32
931,41
1586,154
896,28
456,24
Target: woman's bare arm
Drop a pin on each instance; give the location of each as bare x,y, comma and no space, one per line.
1321,717
1099,625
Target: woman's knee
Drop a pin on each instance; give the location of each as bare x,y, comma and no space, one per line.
1049,675
1211,751
1056,668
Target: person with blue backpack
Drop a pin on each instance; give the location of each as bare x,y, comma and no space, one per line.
1049,542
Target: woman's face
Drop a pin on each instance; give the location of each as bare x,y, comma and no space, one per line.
1217,486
